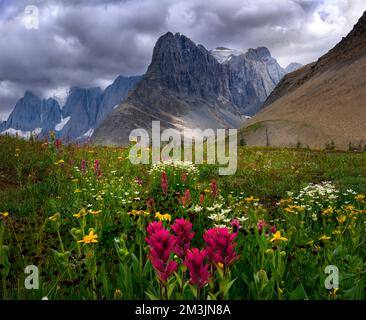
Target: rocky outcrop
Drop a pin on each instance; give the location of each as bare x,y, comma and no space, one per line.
252,77
114,94
83,111
186,86
32,114
321,103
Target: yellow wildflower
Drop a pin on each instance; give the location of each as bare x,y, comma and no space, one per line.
138,213
284,202
328,211
324,238
289,210
81,213
277,237
350,207
95,213
77,190
220,265
337,232
118,294
360,197
90,238
251,199
4,214
341,219
55,217
333,293
163,217
310,243
59,162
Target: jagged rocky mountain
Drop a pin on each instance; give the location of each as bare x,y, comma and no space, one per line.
293,67
186,86
320,104
32,115
83,111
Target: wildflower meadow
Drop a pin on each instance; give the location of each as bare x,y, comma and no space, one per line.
95,226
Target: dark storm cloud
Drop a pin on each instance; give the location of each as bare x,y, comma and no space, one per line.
89,42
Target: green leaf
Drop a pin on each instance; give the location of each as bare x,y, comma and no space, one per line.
151,296
298,294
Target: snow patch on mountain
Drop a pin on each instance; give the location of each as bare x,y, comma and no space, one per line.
63,122
222,54
22,134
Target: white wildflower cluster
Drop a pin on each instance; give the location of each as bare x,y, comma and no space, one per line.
316,197
185,166
222,217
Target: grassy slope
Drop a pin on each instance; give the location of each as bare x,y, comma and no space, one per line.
26,181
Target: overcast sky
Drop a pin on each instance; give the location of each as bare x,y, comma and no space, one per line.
89,42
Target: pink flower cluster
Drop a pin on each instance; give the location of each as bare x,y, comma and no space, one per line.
161,244
220,246
198,269
220,249
183,236
164,182
186,199
262,225
97,169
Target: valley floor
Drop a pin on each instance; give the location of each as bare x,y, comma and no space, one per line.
84,216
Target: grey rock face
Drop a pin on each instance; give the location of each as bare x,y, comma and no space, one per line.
293,67
252,77
114,94
31,113
26,115
50,115
186,86
2,126
83,111
81,108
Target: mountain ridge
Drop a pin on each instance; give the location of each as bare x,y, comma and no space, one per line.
185,86
319,104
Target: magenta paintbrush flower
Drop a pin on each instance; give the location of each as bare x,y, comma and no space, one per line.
183,236
186,199
164,182
97,169
220,246
235,223
153,226
214,189
261,224
198,269
83,166
202,199
161,244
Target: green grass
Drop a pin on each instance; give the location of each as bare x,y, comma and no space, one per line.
38,180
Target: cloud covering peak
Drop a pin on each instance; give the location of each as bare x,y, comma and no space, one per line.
89,43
